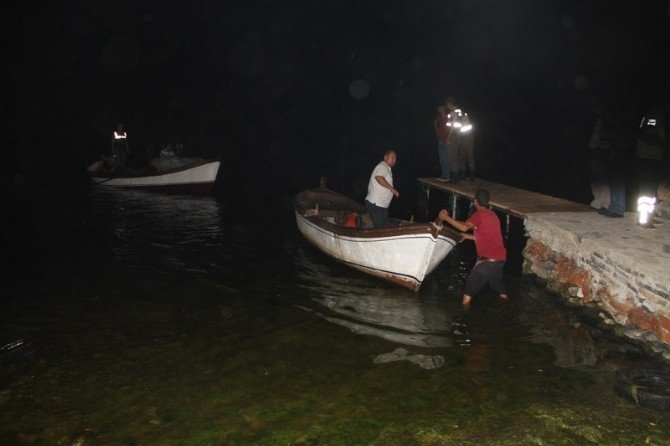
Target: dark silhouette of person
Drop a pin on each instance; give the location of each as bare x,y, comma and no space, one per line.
120,147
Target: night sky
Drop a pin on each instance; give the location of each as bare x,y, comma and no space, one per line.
287,92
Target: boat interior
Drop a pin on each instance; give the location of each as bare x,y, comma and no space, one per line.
358,221
339,210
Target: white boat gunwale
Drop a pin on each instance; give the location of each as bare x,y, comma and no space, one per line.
363,234
155,174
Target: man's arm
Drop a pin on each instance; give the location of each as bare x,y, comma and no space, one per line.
463,226
382,181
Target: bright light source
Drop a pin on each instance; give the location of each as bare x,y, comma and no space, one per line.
645,208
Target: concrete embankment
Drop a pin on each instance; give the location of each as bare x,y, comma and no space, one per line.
610,265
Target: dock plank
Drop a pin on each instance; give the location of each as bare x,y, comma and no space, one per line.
511,200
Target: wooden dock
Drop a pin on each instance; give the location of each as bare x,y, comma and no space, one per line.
507,199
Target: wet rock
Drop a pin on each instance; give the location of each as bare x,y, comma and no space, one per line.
606,319
575,291
649,337
634,333
427,362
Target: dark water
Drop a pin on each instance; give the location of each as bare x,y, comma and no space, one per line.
181,320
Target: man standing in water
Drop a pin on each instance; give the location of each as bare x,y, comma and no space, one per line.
120,147
491,252
381,190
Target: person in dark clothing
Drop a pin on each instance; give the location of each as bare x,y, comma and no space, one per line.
600,146
650,151
120,147
619,161
491,252
442,135
611,145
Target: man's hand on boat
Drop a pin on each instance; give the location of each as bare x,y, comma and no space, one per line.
444,215
463,227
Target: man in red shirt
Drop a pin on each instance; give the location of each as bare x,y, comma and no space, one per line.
491,252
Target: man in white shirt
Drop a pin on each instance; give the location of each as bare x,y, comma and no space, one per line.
381,190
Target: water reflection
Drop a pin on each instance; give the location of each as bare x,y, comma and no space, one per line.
163,232
402,319
574,343
366,308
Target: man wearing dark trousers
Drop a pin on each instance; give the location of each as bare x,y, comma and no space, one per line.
491,252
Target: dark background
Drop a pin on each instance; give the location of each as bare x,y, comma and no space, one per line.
280,89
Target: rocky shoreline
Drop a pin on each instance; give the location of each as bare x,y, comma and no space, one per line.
621,285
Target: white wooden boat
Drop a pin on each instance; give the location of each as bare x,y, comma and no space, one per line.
198,177
402,253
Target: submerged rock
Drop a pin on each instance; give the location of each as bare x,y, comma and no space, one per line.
427,362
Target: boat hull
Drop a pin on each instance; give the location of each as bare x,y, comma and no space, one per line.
403,259
199,178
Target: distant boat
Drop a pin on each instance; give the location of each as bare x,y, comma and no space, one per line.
197,178
402,253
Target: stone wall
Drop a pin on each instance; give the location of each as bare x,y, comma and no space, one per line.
610,265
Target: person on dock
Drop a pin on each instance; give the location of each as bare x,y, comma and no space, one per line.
611,143
491,252
381,190
650,151
619,161
453,156
600,144
442,135
460,142
120,147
